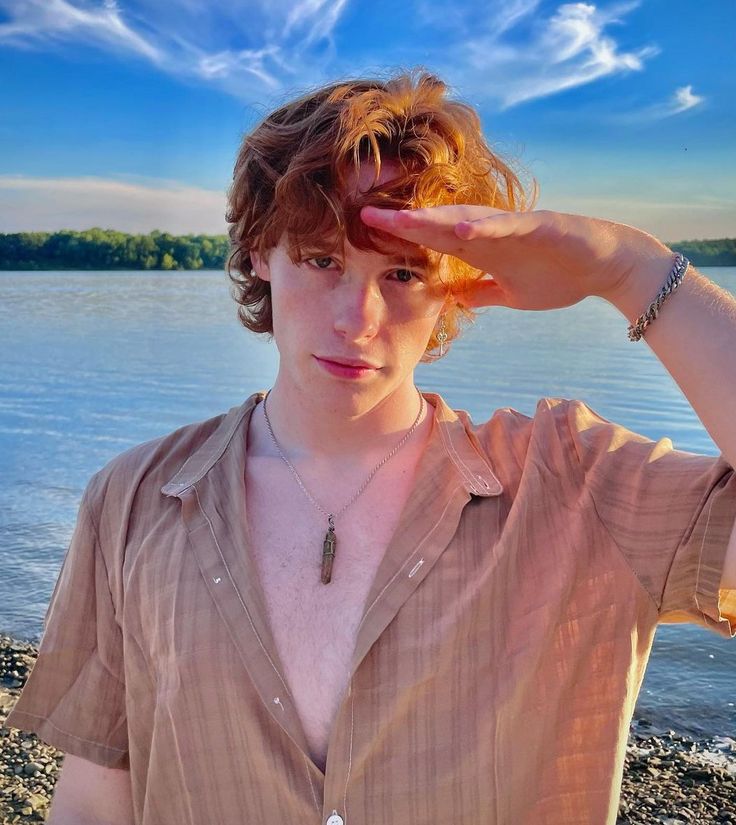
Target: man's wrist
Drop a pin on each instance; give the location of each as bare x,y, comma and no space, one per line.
645,273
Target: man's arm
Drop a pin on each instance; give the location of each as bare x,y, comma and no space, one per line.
694,337
546,260
89,794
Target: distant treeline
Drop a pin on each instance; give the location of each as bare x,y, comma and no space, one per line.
108,249
716,252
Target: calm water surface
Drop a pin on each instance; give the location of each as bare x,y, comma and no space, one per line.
94,363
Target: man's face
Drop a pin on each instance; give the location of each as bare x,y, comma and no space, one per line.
351,306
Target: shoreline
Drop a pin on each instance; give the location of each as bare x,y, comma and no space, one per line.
668,778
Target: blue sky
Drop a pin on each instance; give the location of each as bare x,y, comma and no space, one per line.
128,114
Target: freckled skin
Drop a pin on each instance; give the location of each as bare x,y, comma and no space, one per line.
352,304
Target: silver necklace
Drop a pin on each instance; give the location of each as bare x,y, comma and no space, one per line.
330,541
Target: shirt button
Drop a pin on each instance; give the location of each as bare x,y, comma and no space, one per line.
334,819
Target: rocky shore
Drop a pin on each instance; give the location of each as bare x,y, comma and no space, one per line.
668,779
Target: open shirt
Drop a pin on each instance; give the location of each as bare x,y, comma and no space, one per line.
499,657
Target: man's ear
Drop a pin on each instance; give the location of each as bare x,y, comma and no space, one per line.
260,265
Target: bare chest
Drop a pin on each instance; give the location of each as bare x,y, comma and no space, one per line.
314,625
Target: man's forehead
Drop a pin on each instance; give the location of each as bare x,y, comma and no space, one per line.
381,246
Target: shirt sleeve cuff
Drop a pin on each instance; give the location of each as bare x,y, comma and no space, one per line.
104,755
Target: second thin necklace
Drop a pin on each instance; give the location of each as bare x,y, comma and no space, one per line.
329,544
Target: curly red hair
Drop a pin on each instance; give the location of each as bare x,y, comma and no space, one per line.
292,171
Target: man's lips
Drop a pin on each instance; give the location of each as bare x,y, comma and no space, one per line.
346,362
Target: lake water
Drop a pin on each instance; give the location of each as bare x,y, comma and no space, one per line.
93,363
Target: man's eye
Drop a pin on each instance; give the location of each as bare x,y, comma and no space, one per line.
322,262
406,276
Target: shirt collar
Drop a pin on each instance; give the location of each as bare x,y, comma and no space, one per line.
454,427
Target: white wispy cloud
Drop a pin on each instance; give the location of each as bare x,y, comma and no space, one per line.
48,204
563,50
461,21
187,38
683,99
37,22
314,18
505,52
224,65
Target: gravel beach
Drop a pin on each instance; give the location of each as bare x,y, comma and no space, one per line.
667,779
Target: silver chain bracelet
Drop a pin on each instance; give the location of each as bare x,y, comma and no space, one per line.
675,278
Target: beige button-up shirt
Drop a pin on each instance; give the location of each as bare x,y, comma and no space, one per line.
496,666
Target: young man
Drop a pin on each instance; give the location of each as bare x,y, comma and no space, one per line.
345,602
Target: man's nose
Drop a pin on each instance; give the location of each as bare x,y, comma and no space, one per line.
358,309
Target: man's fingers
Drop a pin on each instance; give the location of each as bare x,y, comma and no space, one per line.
447,229
380,218
393,220
413,227
494,226
433,217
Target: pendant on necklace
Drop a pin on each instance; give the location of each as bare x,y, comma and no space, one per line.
328,551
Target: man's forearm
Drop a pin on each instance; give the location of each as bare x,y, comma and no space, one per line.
694,336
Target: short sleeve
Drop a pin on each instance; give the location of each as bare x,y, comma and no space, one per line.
74,697
670,513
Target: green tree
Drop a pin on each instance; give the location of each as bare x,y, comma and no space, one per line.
167,261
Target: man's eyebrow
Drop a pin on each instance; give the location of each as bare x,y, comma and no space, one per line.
419,261
392,258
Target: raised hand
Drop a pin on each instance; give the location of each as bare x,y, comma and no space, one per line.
533,260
